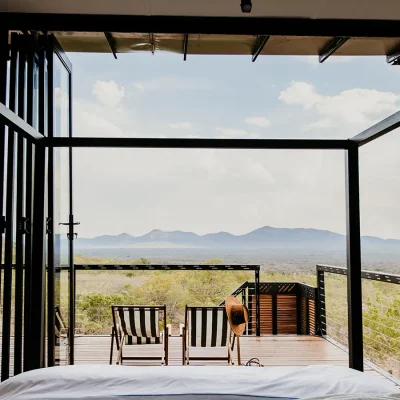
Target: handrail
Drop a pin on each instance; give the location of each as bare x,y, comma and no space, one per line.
371,275
244,285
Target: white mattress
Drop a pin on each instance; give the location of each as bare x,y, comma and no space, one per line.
106,382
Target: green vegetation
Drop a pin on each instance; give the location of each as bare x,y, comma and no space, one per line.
98,290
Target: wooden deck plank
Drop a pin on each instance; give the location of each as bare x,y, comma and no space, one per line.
289,350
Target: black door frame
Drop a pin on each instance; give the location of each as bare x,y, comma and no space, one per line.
41,144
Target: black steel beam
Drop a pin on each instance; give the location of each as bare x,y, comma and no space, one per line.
258,48
323,144
185,46
354,287
331,47
111,43
202,25
20,231
161,267
16,123
381,128
371,275
394,57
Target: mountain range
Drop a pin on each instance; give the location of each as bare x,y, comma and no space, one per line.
266,237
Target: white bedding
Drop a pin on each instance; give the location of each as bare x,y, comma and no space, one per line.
113,382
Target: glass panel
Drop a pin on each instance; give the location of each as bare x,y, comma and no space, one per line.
61,98
35,120
61,207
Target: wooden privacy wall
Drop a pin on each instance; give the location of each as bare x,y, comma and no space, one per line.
285,308
307,316
287,314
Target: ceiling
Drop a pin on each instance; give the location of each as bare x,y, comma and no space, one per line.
78,32
325,9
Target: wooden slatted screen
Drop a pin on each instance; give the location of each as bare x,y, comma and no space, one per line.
311,317
303,316
265,313
287,314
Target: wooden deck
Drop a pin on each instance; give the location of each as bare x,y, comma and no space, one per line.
288,350
272,351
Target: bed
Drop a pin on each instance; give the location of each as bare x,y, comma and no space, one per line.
114,382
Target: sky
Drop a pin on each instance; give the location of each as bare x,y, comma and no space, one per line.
145,95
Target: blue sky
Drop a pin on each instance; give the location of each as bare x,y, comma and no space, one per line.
144,95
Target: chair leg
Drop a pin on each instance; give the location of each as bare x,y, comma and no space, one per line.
183,346
238,351
121,345
166,349
112,345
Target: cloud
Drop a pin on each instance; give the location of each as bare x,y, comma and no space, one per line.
173,83
109,93
61,98
258,121
356,107
230,133
180,125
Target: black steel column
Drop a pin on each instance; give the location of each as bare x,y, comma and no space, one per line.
38,321
19,244
38,262
4,54
28,202
9,237
354,293
257,287
321,307
50,214
72,291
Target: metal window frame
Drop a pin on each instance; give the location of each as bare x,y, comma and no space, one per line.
184,25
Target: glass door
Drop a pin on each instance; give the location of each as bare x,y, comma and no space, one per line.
61,224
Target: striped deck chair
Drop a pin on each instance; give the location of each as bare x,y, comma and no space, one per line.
206,327
139,325
61,331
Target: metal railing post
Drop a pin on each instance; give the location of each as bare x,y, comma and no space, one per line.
321,308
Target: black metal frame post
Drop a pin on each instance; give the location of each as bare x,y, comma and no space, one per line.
321,305
72,292
20,219
28,201
9,234
38,262
354,287
4,53
51,323
257,289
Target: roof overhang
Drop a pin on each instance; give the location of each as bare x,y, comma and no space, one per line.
308,27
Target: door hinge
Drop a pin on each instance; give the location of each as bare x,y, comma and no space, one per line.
23,226
48,220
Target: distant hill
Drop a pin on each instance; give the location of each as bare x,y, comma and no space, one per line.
266,237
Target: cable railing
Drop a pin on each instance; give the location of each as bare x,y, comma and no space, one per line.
381,314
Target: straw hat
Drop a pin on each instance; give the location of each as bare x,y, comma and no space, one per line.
237,314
